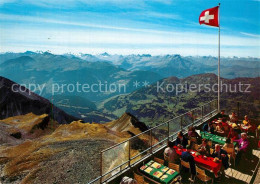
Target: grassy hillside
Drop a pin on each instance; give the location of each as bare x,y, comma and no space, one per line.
152,106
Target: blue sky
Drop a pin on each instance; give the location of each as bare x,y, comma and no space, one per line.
129,27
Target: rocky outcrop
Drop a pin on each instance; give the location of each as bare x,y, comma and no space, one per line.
30,126
17,100
127,123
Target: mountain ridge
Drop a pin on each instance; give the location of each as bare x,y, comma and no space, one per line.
22,101
151,105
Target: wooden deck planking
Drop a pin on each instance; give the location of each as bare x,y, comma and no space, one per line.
235,173
257,179
243,177
249,179
238,175
256,153
228,172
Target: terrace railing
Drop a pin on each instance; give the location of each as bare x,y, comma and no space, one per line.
126,154
242,108
120,157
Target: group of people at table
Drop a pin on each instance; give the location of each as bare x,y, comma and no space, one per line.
196,149
229,126
184,147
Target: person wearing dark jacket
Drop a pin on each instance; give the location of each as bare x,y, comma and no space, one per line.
204,148
221,155
208,127
187,157
181,140
222,115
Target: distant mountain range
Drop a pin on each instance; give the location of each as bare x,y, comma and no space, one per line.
134,71
46,68
183,66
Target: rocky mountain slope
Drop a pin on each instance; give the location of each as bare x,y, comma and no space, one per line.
16,129
127,123
18,100
71,149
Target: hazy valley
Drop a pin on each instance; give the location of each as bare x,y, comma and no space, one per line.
45,69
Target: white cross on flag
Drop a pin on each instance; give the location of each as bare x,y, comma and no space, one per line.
210,17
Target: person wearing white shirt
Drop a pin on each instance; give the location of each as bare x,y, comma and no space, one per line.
170,154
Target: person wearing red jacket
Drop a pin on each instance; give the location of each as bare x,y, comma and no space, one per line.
234,132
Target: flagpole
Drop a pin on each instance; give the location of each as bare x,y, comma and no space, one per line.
218,58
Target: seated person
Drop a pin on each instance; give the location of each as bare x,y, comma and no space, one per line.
225,127
187,157
222,115
219,129
221,155
181,140
192,133
224,123
246,121
204,148
233,117
170,154
208,127
234,132
243,144
194,136
229,146
189,130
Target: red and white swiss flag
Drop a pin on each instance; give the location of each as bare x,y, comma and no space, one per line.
210,17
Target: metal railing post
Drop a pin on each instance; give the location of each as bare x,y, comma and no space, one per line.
151,142
129,153
202,114
168,130
193,117
101,166
181,122
238,109
219,106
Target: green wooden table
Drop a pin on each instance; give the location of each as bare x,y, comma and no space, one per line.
162,169
215,138
206,135
219,140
